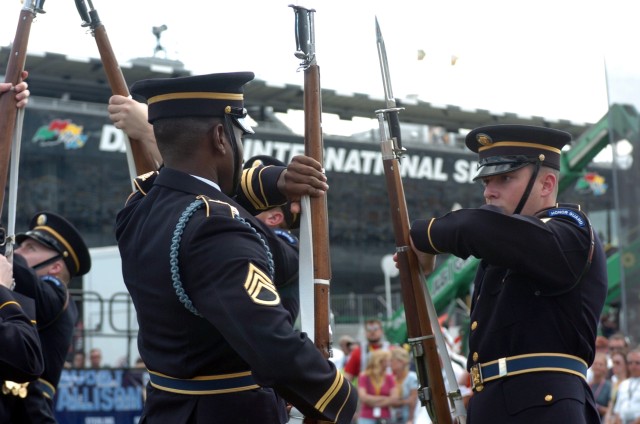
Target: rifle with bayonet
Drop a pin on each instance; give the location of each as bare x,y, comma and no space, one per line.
431,390
8,109
142,159
314,224
313,146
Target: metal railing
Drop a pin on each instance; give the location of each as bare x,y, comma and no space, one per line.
113,321
355,308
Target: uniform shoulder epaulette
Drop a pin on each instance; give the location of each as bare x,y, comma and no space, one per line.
565,211
55,281
286,236
144,182
219,205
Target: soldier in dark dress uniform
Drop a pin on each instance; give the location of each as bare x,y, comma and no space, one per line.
21,355
281,221
48,255
540,286
219,346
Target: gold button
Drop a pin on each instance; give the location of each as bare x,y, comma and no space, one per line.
548,398
474,325
475,356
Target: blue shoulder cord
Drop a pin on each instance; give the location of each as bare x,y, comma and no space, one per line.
175,247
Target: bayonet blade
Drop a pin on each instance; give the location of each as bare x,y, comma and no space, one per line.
384,68
305,36
84,12
391,112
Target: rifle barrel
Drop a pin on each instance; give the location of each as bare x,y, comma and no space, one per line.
431,391
13,75
143,157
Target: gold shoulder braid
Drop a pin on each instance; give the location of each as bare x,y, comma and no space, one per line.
16,389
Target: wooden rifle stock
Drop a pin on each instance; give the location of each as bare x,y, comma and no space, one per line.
431,390
421,338
314,148
13,75
143,156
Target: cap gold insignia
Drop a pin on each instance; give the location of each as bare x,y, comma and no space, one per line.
227,109
260,288
42,219
541,157
484,139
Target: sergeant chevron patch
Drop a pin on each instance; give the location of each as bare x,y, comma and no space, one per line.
260,288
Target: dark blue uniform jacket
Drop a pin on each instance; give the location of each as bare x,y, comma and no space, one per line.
224,270
56,315
527,298
20,352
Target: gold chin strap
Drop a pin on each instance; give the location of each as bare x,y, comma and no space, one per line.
15,389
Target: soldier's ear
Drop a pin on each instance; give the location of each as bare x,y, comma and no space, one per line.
276,218
56,267
549,183
217,136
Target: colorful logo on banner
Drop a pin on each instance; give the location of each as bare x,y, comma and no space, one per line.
592,182
61,131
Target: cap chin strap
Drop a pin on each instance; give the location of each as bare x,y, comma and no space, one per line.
228,128
527,191
46,262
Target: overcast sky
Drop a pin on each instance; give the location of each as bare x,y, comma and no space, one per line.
543,58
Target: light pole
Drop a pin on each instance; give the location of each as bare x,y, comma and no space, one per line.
389,269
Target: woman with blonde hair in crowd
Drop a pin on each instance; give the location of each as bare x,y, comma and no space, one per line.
376,389
406,390
600,383
620,372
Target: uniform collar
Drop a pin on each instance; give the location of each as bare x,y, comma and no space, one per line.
204,180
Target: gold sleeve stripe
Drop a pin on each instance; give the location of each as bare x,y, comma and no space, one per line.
10,302
321,405
346,398
247,187
429,235
265,205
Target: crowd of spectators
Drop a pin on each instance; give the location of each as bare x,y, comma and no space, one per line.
385,377
614,378
387,384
